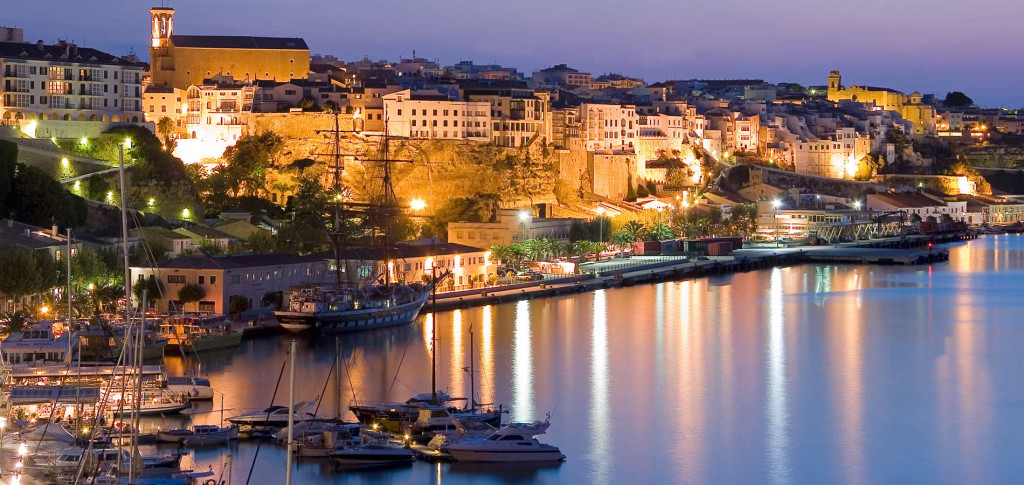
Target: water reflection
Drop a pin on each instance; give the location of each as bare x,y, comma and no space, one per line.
777,447
600,421
804,375
522,364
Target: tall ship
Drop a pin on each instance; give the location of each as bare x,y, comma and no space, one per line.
378,300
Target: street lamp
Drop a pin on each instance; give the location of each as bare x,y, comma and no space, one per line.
600,230
524,217
856,205
417,205
776,203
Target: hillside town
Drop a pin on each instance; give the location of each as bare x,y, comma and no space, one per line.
232,156
167,204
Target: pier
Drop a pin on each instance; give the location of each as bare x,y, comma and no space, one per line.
910,250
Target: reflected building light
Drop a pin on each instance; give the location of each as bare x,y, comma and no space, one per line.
522,364
458,356
487,356
778,420
428,333
600,422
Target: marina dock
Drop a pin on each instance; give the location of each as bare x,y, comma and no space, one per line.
911,250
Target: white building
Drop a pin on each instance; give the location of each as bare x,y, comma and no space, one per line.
917,204
512,226
416,114
608,126
65,82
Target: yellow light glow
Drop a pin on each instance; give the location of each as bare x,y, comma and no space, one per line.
417,204
43,309
78,185
30,128
64,162
84,141
151,202
91,286
185,213
110,197
127,142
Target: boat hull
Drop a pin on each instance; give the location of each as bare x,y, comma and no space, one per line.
498,456
231,340
194,393
351,321
371,458
156,410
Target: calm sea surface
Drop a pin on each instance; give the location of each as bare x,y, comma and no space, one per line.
809,374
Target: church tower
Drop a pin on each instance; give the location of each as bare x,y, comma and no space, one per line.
835,82
161,62
163,26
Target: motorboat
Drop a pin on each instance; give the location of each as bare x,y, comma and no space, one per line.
434,419
205,435
196,388
199,332
372,455
436,448
512,443
180,435
274,416
330,438
397,413
152,405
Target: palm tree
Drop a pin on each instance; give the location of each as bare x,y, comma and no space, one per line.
620,239
533,249
635,231
165,127
661,231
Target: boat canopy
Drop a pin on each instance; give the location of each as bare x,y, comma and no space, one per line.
23,395
48,432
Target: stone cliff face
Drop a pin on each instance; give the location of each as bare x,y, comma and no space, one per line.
432,170
995,156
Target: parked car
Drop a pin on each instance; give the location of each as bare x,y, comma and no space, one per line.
529,276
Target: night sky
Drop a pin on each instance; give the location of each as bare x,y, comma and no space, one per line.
932,46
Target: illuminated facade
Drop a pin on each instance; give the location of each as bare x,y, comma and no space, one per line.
65,82
837,156
181,61
432,115
909,107
512,226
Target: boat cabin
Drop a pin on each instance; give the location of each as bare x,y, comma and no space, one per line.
43,343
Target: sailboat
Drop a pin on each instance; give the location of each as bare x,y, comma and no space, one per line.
340,307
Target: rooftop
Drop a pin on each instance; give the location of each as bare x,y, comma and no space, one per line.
29,237
907,199
236,261
238,42
61,51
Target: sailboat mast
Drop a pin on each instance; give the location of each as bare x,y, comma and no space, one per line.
472,374
291,417
337,378
433,334
124,235
68,329
338,234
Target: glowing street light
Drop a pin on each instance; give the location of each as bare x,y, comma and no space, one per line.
856,205
64,162
185,213
151,202
417,204
776,203
127,142
524,216
110,197
84,141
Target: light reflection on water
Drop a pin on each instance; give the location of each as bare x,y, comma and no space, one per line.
809,374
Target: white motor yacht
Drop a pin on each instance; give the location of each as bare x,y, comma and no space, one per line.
512,443
196,388
274,416
372,455
216,433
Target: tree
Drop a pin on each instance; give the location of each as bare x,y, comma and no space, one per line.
330,106
237,304
261,242
634,231
641,191
190,293
37,199
660,232
957,99
248,161
307,103
652,188
630,191
19,276
915,218
14,321
153,287
165,127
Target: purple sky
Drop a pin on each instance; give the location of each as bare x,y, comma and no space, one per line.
932,46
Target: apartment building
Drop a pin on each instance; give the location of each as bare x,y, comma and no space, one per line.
562,74
518,114
608,126
428,114
65,82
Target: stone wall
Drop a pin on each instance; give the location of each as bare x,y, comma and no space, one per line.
995,156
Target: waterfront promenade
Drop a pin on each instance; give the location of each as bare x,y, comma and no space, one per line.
918,249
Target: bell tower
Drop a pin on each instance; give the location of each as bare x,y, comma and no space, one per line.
163,26
835,82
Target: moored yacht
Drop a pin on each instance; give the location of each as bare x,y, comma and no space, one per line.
196,388
199,332
312,308
512,443
274,416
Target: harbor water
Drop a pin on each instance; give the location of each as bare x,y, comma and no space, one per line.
808,374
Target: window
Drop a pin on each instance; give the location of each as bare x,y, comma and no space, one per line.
202,280
236,279
176,278
213,280
399,112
